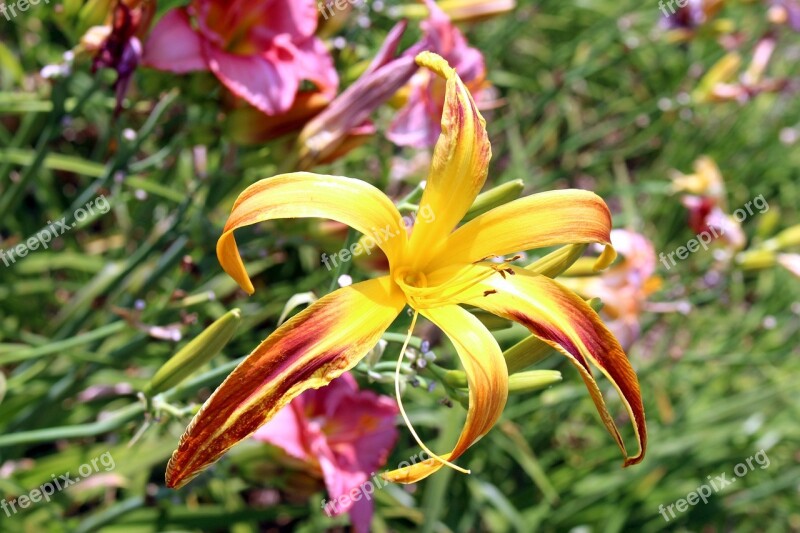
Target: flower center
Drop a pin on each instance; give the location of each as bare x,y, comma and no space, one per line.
446,286
405,277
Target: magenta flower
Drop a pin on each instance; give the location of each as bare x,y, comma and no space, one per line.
418,124
348,433
259,49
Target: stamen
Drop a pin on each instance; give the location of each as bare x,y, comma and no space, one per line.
487,293
403,411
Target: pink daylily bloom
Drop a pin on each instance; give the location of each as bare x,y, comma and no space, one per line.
346,432
418,123
260,50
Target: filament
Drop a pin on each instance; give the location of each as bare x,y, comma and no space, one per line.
403,411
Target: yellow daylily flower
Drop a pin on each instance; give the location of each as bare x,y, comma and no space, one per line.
434,271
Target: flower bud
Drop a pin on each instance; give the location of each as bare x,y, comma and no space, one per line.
197,353
533,380
500,195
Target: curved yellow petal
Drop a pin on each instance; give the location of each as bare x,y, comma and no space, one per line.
459,167
488,384
304,195
562,319
313,348
551,218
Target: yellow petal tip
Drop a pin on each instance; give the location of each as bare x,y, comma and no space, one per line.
606,258
435,63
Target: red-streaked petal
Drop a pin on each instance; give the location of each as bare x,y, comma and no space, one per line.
313,348
561,318
459,167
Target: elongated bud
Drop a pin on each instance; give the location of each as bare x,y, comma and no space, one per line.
556,263
500,195
532,380
197,353
722,72
525,353
786,239
458,10
529,381
94,13
456,379
756,259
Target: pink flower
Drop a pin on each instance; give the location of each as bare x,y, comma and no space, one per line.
259,49
418,122
346,432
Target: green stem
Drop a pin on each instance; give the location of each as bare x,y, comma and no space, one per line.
121,417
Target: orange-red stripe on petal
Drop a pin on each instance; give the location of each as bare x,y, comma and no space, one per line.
313,348
561,318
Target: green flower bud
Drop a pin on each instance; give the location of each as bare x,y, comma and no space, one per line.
197,353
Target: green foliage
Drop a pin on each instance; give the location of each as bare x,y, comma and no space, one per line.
594,98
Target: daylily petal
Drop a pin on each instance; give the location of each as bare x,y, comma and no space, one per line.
361,515
460,162
488,384
563,320
412,126
285,430
305,195
313,348
298,17
547,219
174,46
268,83
313,63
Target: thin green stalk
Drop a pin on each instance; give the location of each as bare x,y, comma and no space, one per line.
62,346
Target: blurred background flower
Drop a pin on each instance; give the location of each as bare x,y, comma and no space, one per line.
260,50
345,433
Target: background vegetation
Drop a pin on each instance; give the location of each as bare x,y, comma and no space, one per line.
595,97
